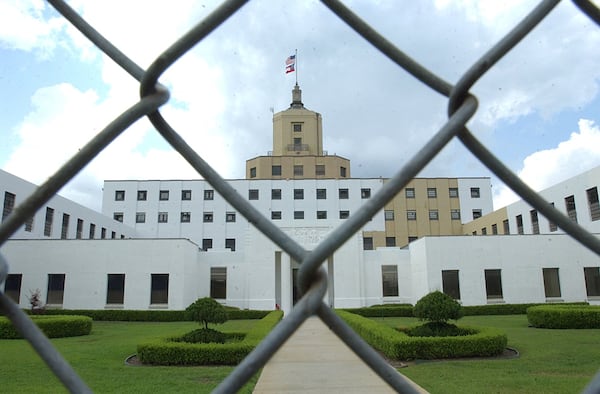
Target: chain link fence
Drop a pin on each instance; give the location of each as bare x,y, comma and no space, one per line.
312,278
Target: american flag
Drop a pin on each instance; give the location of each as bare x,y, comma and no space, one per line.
290,62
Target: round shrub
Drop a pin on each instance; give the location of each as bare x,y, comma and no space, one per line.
437,329
564,316
55,326
437,307
204,335
207,310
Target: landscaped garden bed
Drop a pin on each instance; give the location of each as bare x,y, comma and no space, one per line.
54,326
564,316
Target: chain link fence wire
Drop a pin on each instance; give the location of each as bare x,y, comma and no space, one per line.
312,278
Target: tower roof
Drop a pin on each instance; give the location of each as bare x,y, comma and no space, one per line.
297,98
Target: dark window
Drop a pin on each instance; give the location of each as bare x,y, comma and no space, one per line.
64,232
9,204
365,193
390,241
142,195
218,282
433,214
388,214
56,289
207,243
321,194
253,172
535,224
493,284
431,192
163,217
519,220
79,232
186,195
297,126
506,226
367,243
92,230
118,216
412,238
319,170
207,217
411,215
159,291
453,192
140,217
230,217
298,214
593,204
409,192
571,210
275,194
120,195
276,215
321,214
450,283
12,287
163,195
276,170
115,289
344,214
455,214
551,225
476,214
495,229
298,194
253,194
29,224
484,231
343,172
299,170
475,192
551,282
230,244
185,217
103,233
592,281
389,280
343,194
209,194
113,235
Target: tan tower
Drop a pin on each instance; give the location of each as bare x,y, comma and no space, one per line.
297,148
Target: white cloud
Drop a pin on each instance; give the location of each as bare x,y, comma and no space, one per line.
545,168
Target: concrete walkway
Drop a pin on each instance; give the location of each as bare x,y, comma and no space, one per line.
315,360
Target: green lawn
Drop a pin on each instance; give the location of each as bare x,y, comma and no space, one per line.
551,361
99,359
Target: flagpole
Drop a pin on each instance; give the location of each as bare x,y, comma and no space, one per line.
296,56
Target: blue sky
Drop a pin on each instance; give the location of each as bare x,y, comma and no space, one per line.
539,107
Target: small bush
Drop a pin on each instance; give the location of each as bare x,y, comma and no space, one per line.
564,316
437,329
51,326
437,307
204,335
207,310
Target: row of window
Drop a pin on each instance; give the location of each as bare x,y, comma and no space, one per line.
493,282
320,169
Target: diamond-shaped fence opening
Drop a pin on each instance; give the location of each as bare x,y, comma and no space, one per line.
313,282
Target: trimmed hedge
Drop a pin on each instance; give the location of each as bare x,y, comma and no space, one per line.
400,310
51,326
168,351
150,315
564,316
399,346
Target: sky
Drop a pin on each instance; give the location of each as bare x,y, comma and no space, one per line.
539,107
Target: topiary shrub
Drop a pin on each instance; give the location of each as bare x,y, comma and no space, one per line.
204,335
436,329
437,307
207,310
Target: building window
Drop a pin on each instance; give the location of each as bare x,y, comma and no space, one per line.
484,231
455,214
209,194
411,215
29,224
592,281
450,283
321,214
431,192
103,233
113,235
571,210
493,284
140,217
320,170
433,214
551,225
409,192
389,280
593,204
365,193
299,170
367,243
92,231
342,172
297,143
56,289
275,194
297,127
115,289
159,290
207,217
253,172
276,170
163,217
207,243
453,192
79,229
519,220
64,232
163,195
535,224
142,195
343,194
494,229
185,217
118,216
253,194
390,241
230,217
506,227
412,239
298,214
476,213
551,282
12,287
344,214
298,194
276,215
120,195
186,195
321,194
218,282
48,222
9,204
230,244
475,192
388,214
